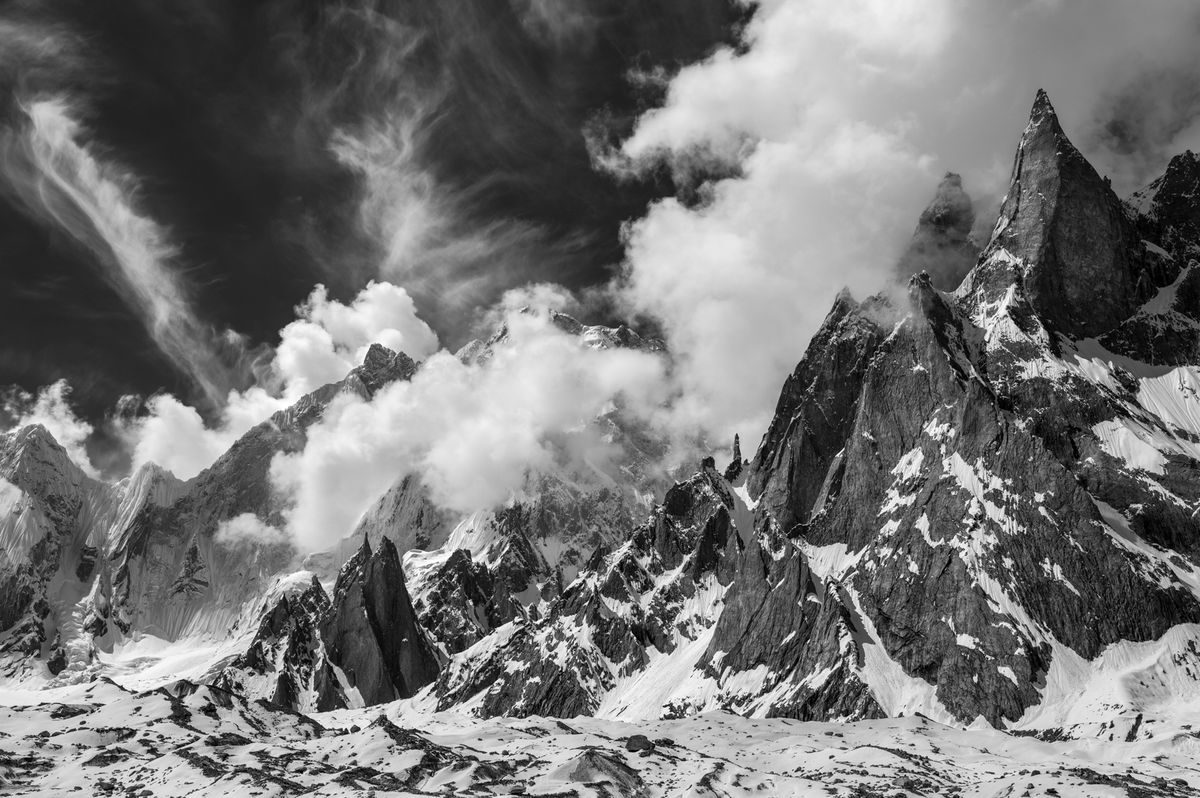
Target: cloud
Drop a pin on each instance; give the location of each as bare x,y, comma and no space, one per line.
327,340
248,530
330,338
560,22
825,134
431,237
66,185
52,409
472,431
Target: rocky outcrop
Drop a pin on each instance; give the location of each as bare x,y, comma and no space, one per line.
285,662
816,408
361,647
654,594
941,245
736,463
1168,210
371,635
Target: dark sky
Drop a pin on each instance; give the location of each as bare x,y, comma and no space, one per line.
219,122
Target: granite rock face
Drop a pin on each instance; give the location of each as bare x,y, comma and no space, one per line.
370,632
1082,266
285,662
363,646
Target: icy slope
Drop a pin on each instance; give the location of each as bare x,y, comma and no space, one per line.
99,739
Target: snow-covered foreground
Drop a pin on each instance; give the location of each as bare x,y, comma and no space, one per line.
99,738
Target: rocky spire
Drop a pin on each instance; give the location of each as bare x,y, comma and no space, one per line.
381,366
941,244
734,469
1079,258
371,631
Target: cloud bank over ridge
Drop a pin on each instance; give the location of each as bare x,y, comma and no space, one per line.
803,155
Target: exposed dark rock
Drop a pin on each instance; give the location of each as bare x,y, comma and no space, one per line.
639,742
1072,246
56,662
1169,208
796,468
286,649
736,464
371,632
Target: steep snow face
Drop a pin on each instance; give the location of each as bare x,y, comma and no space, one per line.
55,523
94,569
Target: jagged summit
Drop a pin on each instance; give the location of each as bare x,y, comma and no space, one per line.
596,336
1170,206
1063,239
941,243
1043,113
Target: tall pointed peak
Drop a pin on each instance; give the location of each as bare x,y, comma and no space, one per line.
1042,111
1063,237
1044,132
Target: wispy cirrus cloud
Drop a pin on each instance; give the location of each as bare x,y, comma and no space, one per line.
46,163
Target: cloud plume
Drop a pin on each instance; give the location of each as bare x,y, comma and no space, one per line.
473,431
327,339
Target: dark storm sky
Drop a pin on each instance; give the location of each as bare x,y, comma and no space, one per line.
222,113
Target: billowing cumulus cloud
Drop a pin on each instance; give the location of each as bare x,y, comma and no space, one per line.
247,530
326,341
473,431
330,338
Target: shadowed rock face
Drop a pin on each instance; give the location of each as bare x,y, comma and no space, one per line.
941,245
1081,263
1169,207
371,632
941,470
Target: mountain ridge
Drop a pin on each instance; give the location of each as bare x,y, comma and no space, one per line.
968,505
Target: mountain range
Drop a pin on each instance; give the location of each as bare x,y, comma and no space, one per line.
975,507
